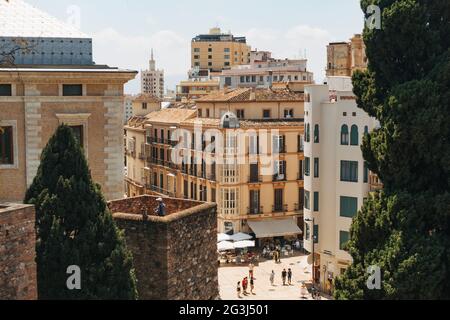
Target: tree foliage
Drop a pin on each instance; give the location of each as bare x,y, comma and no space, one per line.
405,228
75,228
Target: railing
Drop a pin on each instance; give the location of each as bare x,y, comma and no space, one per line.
299,207
212,177
279,177
255,210
255,179
142,156
279,208
300,176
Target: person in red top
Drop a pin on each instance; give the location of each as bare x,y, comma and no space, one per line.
245,285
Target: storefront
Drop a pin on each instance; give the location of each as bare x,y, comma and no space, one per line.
277,231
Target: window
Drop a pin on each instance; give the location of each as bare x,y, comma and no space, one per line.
316,167
209,49
228,81
354,136
348,207
316,201
196,49
6,146
279,144
366,130
366,172
308,133
226,50
316,134
255,202
280,170
307,232
254,172
144,105
307,200
349,171
227,57
71,90
301,198
227,64
213,195
289,113
5,90
240,113
207,113
344,238
300,143
199,111
278,200
78,134
242,79
316,234
307,166
210,57
266,114
301,173
344,135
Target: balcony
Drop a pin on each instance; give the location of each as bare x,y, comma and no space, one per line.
142,156
255,210
255,179
280,208
279,178
299,207
300,176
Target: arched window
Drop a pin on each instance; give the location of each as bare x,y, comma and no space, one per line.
316,134
354,136
344,135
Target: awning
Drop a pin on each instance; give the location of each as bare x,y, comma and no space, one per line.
274,228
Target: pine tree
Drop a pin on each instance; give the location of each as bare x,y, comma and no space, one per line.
75,228
404,229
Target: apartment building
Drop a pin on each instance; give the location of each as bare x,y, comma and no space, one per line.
344,58
127,108
217,51
152,80
40,90
337,180
265,72
196,88
259,187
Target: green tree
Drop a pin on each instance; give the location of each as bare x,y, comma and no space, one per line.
404,229
75,227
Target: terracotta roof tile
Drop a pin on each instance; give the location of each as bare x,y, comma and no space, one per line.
170,115
252,95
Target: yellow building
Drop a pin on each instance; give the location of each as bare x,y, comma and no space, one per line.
218,51
344,58
260,188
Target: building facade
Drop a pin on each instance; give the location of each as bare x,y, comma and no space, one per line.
259,187
127,108
337,179
264,72
217,51
344,58
152,80
35,99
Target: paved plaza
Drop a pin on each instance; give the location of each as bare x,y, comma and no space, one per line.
229,277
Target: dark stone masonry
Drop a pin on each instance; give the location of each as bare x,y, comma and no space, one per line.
17,253
175,256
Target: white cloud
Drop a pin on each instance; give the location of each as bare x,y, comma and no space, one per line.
172,52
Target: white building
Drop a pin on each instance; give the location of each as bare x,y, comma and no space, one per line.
336,176
127,107
152,80
264,71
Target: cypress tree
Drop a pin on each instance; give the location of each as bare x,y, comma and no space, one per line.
75,228
404,229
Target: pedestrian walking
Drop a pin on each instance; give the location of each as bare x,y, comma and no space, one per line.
283,276
304,291
252,285
245,285
289,276
238,290
251,268
272,278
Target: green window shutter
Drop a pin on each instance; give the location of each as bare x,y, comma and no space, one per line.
316,233
316,201
344,238
354,136
349,207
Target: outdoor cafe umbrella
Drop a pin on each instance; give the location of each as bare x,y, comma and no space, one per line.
223,237
244,244
241,237
225,245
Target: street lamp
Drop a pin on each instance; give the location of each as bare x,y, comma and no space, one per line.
313,255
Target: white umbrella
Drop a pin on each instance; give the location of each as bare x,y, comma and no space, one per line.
223,237
225,245
244,244
241,237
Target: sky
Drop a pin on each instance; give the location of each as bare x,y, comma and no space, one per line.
124,31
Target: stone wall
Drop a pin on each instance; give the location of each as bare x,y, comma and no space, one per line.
17,253
175,257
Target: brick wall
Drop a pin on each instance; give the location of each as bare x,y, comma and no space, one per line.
175,257
17,253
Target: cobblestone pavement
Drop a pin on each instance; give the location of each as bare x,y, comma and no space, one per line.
229,277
